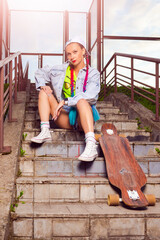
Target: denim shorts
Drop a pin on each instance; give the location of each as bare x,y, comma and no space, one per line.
66,108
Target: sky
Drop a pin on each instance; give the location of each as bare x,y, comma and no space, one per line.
51,5
138,18
122,17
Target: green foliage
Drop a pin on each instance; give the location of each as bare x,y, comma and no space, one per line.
157,150
20,195
15,204
138,123
24,136
22,152
19,173
145,102
147,129
6,85
12,209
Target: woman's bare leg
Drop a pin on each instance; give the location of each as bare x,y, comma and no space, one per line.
44,106
47,106
85,116
87,123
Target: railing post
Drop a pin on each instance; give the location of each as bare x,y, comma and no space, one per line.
132,82
1,107
19,74
39,61
2,148
25,75
99,35
10,119
10,92
15,77
89,34
157,92
1,26
66,31
115,74
104,83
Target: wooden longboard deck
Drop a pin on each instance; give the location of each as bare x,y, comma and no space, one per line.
122,168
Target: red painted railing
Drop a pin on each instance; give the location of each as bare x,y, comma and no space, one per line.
15,83
111,76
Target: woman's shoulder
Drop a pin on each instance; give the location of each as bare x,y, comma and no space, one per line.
60,67
93,70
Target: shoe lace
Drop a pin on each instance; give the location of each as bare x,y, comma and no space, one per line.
43,132
89,147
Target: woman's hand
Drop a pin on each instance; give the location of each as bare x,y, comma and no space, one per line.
58,110
47,90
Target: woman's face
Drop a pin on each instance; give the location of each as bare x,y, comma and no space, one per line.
75,54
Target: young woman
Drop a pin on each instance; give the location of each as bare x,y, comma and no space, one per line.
72,99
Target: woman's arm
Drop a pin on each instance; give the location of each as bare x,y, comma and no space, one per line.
42,76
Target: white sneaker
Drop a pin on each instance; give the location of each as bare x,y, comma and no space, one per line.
90,152
44,136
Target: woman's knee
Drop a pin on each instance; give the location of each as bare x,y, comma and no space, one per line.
42,94
82,102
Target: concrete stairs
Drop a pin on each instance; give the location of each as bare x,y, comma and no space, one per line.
66,199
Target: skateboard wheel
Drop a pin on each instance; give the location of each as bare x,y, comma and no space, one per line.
97,136
151,199
113,199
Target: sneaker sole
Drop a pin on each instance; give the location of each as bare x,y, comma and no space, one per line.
41,141
88,159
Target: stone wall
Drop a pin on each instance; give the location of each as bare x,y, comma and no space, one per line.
136,110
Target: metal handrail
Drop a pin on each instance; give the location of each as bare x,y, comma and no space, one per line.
6,97
107,83
9,59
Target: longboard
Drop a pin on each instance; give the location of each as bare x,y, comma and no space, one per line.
123,170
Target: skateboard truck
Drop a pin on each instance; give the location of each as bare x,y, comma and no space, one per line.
133,195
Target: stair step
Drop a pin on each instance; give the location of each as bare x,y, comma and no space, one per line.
57,166
119,124
32,115
65,189
113,110
104,104
71,167
72,135
102,109
66,199
84,222
113,116
75,148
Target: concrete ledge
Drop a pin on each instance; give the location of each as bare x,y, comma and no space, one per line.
137,110
8,163
84,222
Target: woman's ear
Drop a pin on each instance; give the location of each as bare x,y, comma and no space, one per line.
84,52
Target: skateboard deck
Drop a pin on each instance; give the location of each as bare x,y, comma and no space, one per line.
122,168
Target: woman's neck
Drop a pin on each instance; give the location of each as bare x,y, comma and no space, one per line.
78,67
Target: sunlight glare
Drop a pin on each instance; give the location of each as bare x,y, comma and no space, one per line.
50,5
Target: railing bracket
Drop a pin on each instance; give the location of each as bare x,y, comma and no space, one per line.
6,150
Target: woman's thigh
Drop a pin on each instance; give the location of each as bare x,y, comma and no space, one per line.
63,120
